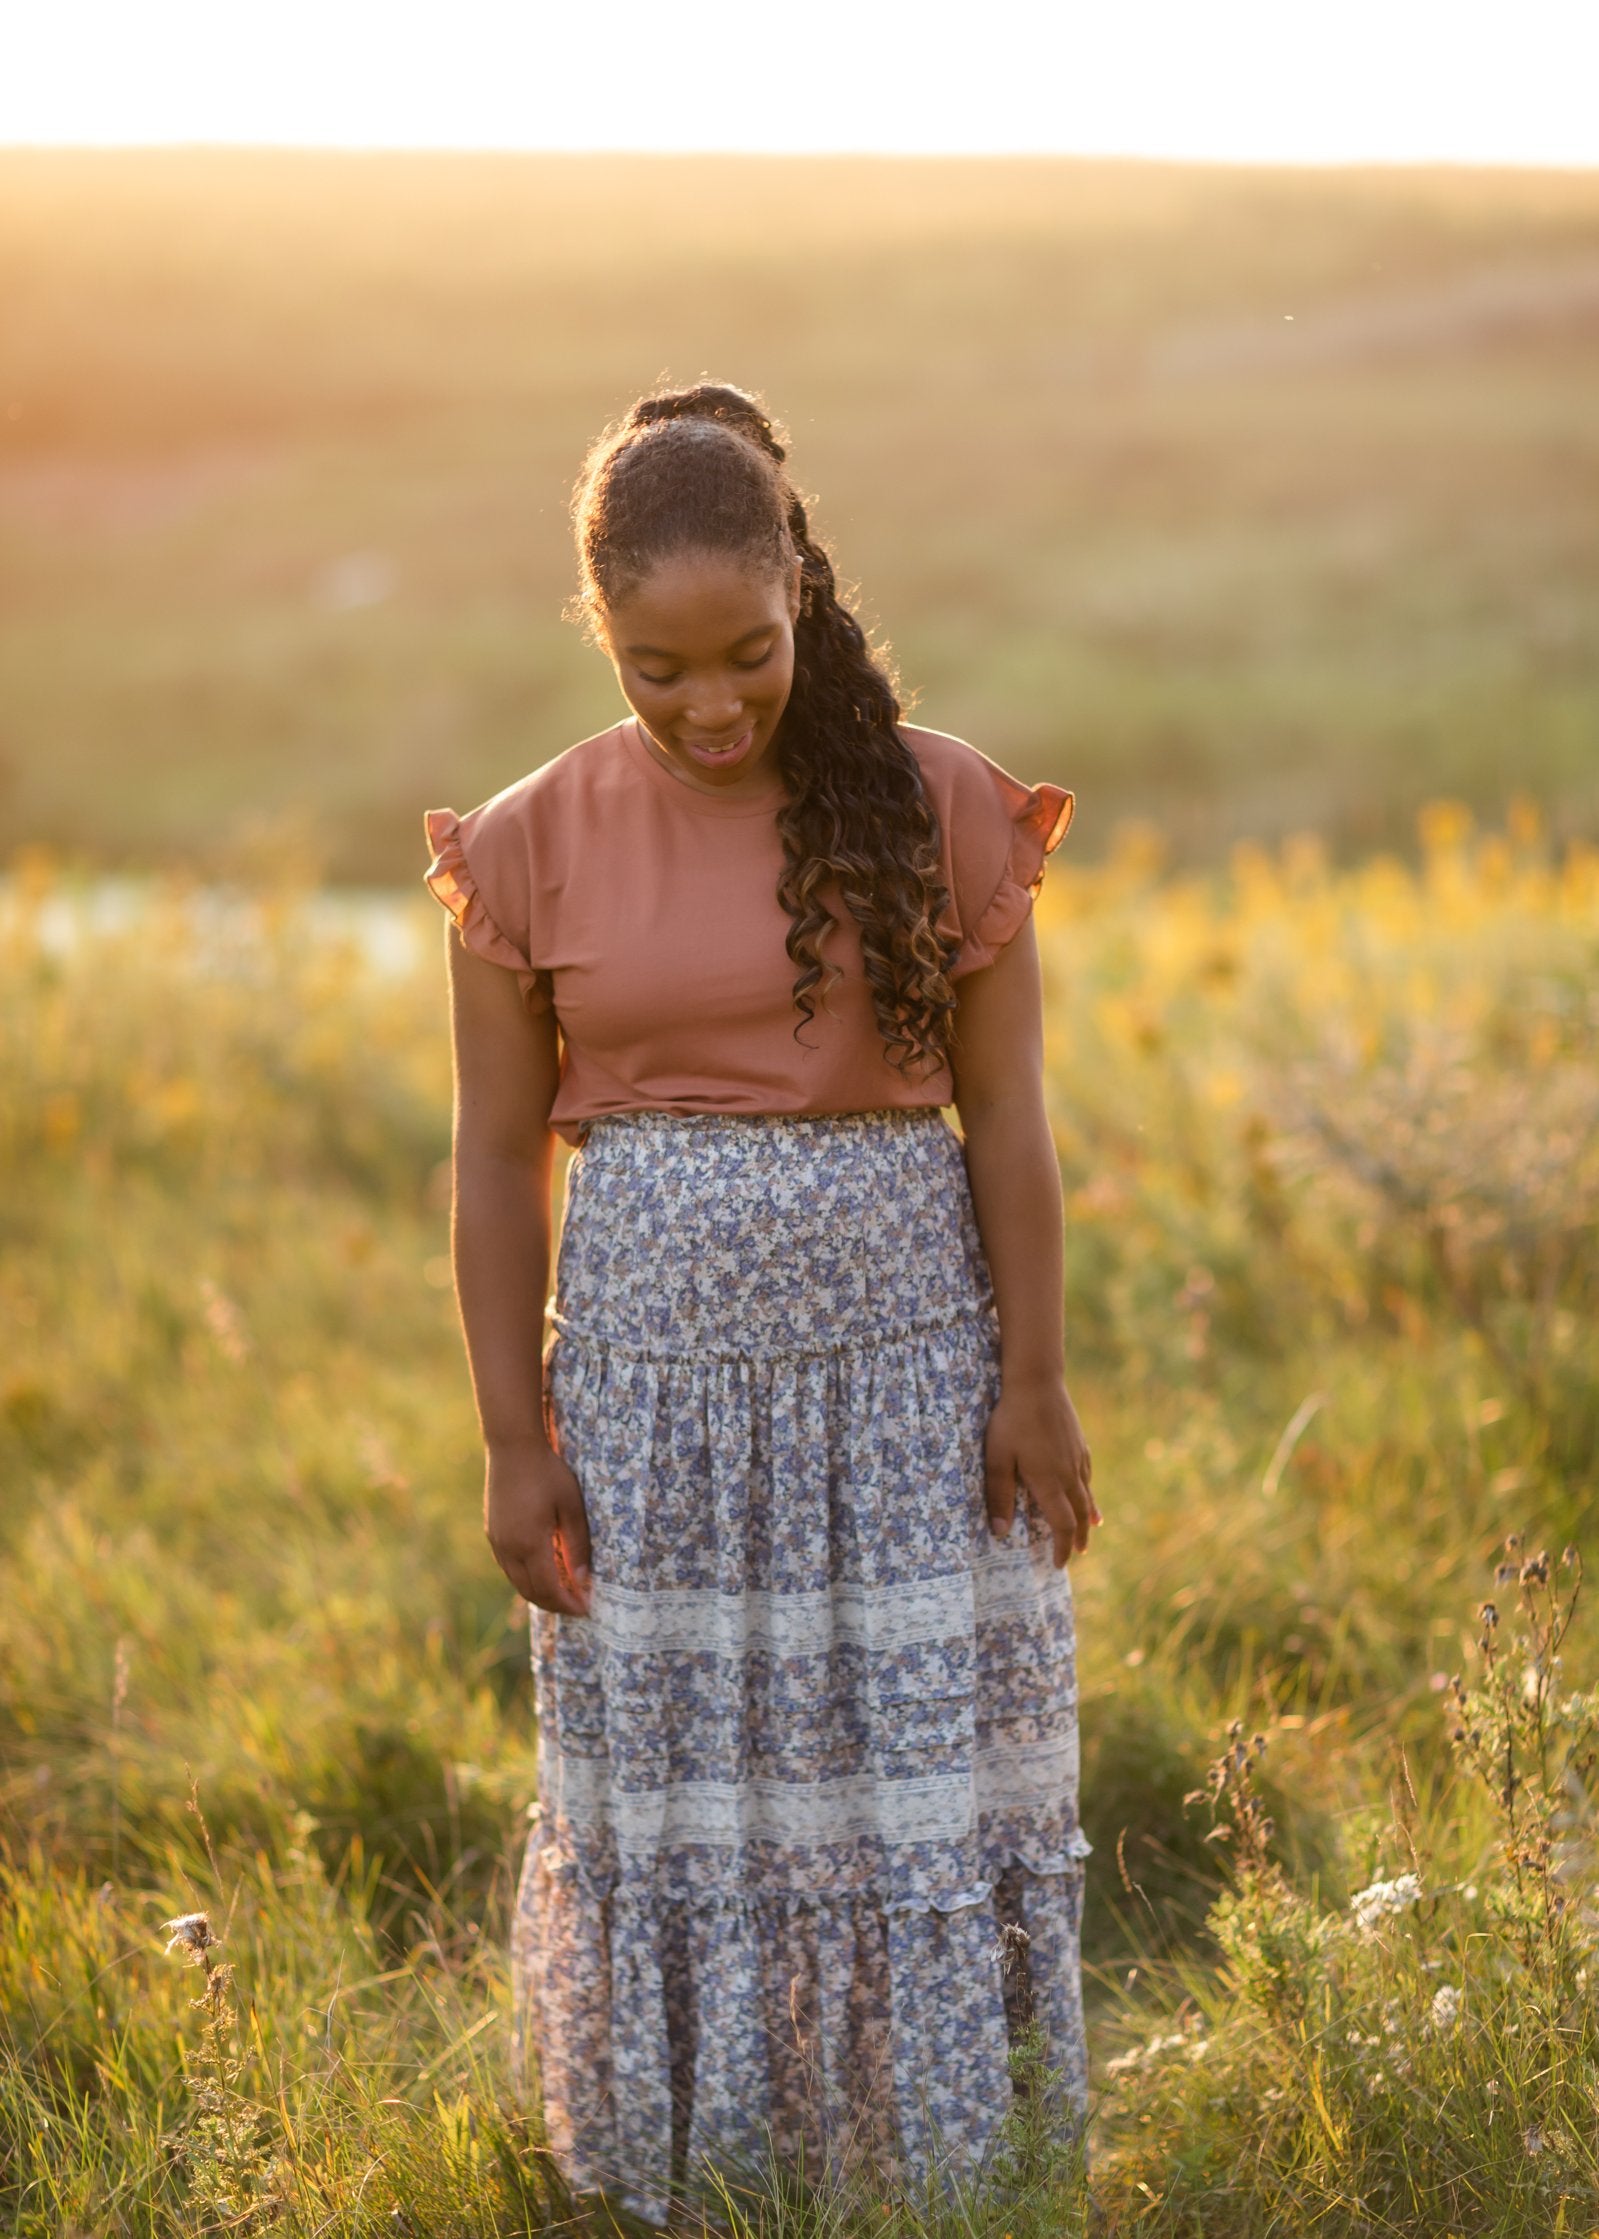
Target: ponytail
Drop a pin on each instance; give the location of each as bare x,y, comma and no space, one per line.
704,469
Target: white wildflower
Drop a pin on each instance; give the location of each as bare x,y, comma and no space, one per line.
1145,2056
1444,2014
1375,1904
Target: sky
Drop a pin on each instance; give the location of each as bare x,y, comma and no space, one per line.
1296,81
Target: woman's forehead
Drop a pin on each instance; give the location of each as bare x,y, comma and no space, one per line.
712,599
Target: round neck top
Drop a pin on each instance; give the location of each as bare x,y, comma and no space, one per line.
757,796
643,912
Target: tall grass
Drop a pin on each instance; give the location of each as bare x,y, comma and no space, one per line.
1328,1137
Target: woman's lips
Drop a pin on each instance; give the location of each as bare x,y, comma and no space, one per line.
722,758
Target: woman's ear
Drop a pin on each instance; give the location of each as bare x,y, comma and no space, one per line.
796,577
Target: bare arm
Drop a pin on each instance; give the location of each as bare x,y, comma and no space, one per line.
507,1066
1033,1433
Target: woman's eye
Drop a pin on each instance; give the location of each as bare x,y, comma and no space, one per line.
646,678
759,661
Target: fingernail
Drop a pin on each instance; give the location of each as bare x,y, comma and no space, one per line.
584,1576
1001,1527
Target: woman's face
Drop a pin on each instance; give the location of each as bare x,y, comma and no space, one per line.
703,649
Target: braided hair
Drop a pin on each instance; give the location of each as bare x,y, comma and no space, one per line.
702,470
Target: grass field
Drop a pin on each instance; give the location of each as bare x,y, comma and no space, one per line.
1330,1138
1244,502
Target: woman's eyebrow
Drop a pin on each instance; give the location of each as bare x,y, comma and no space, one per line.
659,653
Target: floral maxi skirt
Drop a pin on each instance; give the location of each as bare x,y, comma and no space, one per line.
806,1857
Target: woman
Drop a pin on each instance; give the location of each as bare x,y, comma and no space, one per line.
793,1486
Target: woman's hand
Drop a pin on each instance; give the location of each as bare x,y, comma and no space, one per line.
535,1521
1034,1434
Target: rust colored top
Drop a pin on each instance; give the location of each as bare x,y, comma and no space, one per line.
644,912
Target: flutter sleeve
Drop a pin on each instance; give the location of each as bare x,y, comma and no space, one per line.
1004,833
480,879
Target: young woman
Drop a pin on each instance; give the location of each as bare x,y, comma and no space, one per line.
793,1479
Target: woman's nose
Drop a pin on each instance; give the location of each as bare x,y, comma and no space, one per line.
714,709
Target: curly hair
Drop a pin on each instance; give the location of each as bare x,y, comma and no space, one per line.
703,470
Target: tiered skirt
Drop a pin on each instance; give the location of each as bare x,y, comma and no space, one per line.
805,1857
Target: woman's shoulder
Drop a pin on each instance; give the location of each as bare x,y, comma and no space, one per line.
964,783
996,831
581,780
941,754
954,763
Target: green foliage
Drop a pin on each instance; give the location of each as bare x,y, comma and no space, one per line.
1426,2059
241,1571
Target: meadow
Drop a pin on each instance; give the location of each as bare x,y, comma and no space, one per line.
1260,508
1246,501
1330,1138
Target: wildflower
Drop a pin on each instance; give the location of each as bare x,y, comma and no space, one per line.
1145,2056
1444,2013
1532,2141
1369,1906
190,1933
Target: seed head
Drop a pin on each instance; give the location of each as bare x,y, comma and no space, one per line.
191,1934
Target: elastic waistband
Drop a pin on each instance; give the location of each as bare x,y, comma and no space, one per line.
770,1338
891,1115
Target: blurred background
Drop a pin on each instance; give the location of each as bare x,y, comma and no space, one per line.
1242,496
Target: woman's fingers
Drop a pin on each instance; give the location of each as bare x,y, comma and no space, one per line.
538,1529
1061,1515
999,1486
1088,1486
535,1572
1035,1440
1068,1508
572,1550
